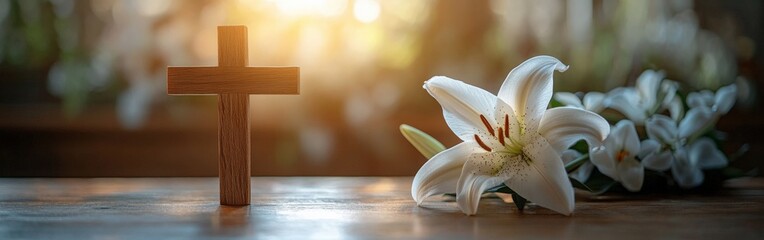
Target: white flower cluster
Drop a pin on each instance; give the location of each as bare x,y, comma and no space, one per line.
674,138
511,140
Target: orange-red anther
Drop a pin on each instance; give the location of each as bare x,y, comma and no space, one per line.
487,125
481,143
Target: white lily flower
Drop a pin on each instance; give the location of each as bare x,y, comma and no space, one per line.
664,136
637,103
583,172
667,147
617,157
710,105
593,101
720,103
510,138
652,94
689,162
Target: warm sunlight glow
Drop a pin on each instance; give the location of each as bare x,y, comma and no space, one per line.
366,11
327,8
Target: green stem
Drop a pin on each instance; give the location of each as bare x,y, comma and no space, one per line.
575,164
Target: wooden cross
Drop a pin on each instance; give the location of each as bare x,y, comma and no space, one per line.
233,82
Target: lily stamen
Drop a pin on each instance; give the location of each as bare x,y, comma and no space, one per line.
487,125
481,143
621,155
506,125
501,137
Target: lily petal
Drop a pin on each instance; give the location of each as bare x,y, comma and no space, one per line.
631,174
626,101
569,155
583,172
725,98
695,120
564,126
478,175
676,109
528,88
705,153
627,133
594,101
542,167
647,147
669,88
661,128
703,98
653,157
440,174
568,99
604,159
463,104
685,172
648,84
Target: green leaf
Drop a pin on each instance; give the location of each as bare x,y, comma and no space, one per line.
554,103
519,201
604,188
576,163
580,146
423,142
501,189
599,183
516,198
579,184
505,189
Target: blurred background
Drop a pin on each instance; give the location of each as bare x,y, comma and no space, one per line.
83,82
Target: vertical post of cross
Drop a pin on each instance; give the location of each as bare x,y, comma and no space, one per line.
233,122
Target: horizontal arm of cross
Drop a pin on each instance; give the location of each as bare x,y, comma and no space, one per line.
224,80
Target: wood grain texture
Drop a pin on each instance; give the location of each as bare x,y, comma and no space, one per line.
234,149
353,208
221,80
232,46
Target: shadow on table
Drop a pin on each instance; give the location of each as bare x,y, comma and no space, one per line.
230,220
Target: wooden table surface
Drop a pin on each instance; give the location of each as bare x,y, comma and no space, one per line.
351,207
